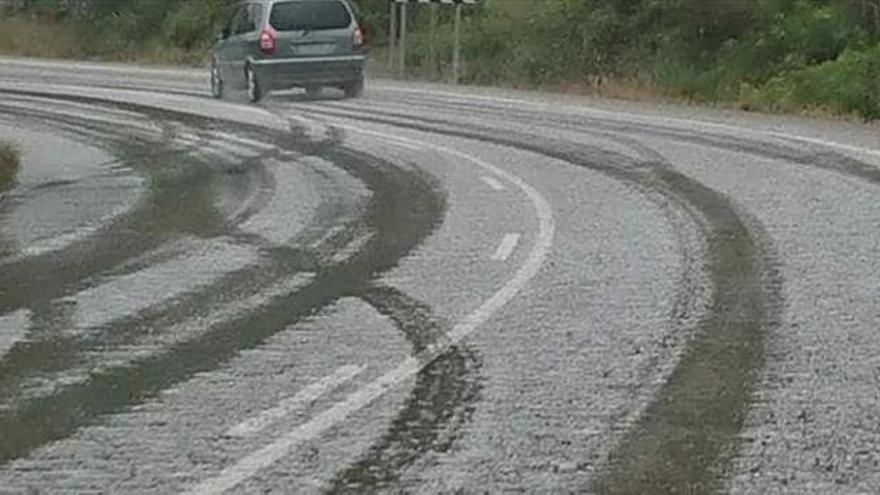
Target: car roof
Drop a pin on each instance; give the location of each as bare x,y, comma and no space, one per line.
349,3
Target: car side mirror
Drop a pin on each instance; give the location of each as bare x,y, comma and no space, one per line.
224,33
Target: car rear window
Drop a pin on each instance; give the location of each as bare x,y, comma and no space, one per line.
311,15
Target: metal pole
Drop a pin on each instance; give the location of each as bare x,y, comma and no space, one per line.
392,35
456,53
402,67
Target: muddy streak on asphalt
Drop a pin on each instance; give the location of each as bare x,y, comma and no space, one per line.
180,203
440,404
55,354
406,206
688,434
47,355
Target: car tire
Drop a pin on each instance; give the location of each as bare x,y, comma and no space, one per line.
354,89
313,91
254,89
216,81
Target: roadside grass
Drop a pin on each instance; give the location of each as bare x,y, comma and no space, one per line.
10,161
24,36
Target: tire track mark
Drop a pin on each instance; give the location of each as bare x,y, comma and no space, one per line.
179,187
687,435
178,202
795,153
405,208
438,407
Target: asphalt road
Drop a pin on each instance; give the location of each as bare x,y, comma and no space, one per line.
430,290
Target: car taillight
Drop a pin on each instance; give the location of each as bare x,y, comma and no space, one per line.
358,38
267,42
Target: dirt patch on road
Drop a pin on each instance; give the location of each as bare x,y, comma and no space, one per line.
10,161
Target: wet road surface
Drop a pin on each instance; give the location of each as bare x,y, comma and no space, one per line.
429,290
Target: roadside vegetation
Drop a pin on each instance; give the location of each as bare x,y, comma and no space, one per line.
769,55
10,160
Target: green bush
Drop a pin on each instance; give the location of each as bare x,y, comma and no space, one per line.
850,84
804,36
772,54
194,24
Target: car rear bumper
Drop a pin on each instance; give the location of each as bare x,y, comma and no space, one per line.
290,72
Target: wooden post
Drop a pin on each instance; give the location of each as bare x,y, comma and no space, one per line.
392,36
402,67
456,53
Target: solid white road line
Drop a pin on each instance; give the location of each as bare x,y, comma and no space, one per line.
493,183
250,465
401,143
93,114
297,403
13,328
227,111
505,249
407,145
642,118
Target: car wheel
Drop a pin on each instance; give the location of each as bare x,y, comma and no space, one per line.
313,91
254,90
216,81
354,89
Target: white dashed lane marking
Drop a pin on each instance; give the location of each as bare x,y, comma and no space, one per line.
297,403
493,183
506,248
264,457
403,144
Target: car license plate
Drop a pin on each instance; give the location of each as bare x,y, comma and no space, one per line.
314,49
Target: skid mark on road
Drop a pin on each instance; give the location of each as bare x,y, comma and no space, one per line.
290,208
249,466
530,109
684,438
405,207
806,151
131,294
438,407
164,213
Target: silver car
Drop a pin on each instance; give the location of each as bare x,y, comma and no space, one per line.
281,44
